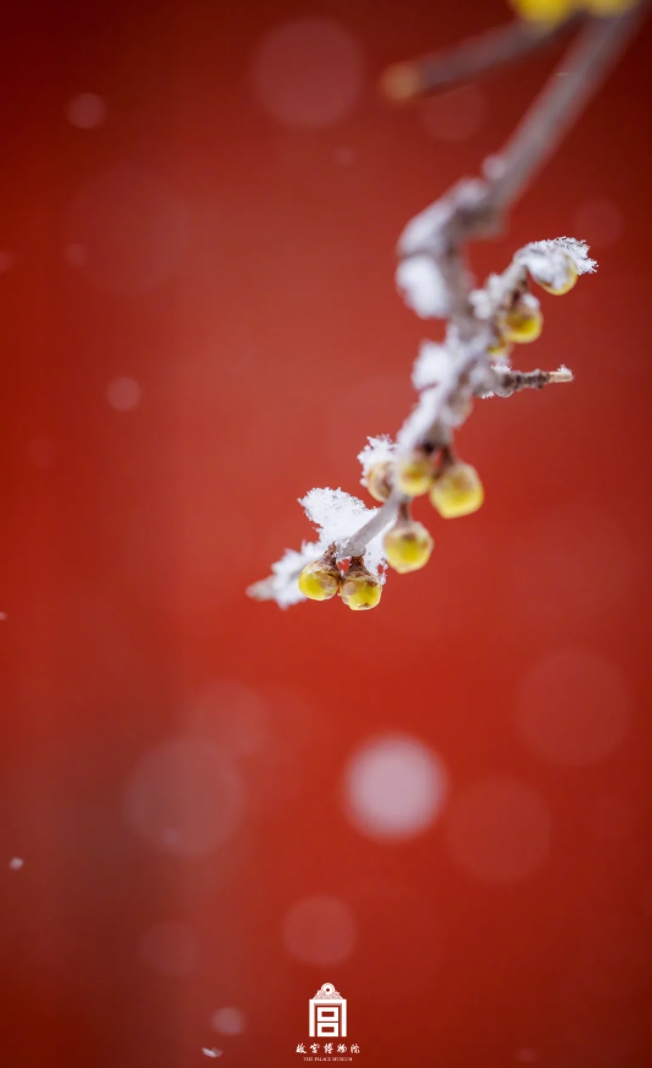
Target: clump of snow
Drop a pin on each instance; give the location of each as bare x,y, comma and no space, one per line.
431,365
547,261
282,585
529,301
424,230
336,514
376,451
422,286
486,301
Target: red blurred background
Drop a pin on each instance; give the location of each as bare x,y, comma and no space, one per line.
199,206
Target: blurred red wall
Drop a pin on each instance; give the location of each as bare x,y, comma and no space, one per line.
199,324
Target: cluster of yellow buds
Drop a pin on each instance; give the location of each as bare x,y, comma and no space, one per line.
454,487
553,11
357,587
455,490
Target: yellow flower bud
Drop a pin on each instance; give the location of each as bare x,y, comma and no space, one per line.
571,279
413,475
458,491
499,348
360,590
408,546
379,480
523,323
319,582
549,11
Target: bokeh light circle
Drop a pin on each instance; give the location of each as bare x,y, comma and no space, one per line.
320,930
124,394
86,111
169,948
499,830
185,797
394,787
229,1020
307,73
573,707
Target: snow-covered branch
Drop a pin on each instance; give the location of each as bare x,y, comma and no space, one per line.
355,544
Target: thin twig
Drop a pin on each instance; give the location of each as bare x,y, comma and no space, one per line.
403,82
384,517
503,382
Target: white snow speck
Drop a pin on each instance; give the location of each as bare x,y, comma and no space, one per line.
212,1052
422,286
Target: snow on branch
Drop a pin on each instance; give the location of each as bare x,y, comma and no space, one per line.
354,544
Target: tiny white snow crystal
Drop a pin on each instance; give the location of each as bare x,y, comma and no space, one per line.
16,863
422,286
376,451
547,261
431,365
212,1052
563,374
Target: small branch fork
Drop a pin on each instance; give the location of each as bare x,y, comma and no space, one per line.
476,209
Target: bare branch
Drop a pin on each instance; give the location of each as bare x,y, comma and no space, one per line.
503,382
559,105
403,82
